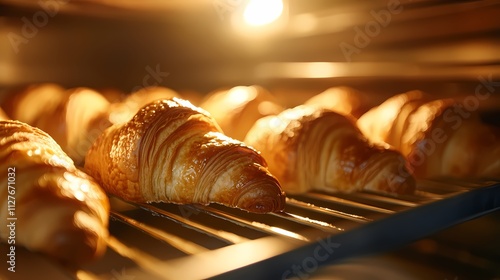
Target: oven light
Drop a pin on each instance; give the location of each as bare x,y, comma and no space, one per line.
260,20
262,12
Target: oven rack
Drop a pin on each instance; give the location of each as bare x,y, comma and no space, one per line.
168,241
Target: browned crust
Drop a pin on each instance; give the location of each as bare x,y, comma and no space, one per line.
52,193
172,151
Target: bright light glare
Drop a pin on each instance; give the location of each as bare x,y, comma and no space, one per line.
262,12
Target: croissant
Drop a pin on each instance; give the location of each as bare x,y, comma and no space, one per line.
172,151
52,207
113,95
438,137
237,109
125,110
29,103
74,118
309,148
343,100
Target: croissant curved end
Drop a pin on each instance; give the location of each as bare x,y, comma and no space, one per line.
405,185
78,245
395,183
263,196
265,204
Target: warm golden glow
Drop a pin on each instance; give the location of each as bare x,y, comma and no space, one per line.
262,12
315,70
267,108
241,94
288,233
304,23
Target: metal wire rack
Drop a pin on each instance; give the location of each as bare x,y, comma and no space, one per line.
168,241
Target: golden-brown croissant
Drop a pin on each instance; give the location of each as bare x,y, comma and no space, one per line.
29,103
113,95
310,148
343,100
74,118
125,110
438,137
54,208
172,151
237,109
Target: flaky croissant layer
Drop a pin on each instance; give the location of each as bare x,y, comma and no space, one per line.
237,109
438,137
310,148
60,210
172,151
73,118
